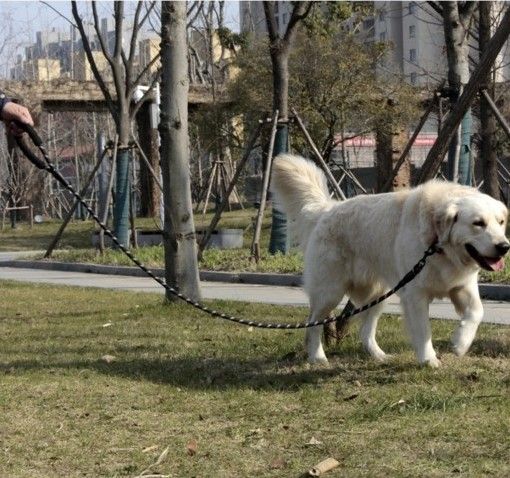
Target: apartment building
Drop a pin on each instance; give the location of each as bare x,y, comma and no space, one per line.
417,53
415,34
60,54
253,19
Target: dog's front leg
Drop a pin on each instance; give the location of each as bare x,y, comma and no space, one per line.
469,306
416,312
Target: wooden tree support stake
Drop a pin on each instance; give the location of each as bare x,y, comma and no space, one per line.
231,186
497,113
338,190
255,245
70,213
104,219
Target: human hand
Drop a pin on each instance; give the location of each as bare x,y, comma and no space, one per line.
13,111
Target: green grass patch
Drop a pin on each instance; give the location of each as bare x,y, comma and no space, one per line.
213,259
76,246
230,401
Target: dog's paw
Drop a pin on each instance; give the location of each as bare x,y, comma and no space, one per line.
460,349
318,360
379,355
460,345
433,362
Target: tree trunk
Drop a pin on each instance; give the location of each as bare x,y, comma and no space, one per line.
279,49
487,120
457,49
122,177
149,139
438,150
279,58
389,148
181,267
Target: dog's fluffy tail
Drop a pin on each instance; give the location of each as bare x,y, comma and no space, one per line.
301,191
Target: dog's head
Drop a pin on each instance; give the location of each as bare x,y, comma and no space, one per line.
471,228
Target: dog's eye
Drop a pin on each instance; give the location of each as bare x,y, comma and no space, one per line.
480,223
501,222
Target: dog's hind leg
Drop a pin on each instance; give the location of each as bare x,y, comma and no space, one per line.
367,331
321,304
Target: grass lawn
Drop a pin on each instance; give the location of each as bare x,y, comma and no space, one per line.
228,401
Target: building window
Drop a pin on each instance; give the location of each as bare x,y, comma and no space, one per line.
412,8
382,36
382,15
276,7
413,78
412,55
284,19
368,23
412,31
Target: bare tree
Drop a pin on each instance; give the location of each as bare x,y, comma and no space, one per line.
179,230
457,21
279,50
125,78
436,154
487,120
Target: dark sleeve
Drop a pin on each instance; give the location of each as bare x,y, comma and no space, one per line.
3,100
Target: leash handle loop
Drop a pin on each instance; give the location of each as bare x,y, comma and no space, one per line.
25,148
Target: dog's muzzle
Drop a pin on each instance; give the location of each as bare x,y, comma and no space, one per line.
488,263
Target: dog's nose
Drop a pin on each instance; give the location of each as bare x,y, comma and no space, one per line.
502,248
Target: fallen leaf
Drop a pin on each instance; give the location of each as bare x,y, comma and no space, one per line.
108,358
323,467
313,442
278,464
108,324
191,448
400,403
162,456
351,397
150,448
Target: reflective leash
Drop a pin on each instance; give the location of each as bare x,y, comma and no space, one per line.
342,318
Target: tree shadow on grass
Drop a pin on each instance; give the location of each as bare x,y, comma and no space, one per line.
191,373
274,372
481,347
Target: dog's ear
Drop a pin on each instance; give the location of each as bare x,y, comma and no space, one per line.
443,220
436,221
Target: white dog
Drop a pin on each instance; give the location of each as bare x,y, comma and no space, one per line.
363,246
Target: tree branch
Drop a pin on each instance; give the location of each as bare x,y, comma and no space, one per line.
299,12
99,34
147,93
119,21
272,28
88,51
142,73
436,7
466,12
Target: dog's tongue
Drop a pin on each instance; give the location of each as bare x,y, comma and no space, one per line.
496,264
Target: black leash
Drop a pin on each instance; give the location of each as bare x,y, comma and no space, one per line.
46,165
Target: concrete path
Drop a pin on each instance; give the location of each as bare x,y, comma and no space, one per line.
495,312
